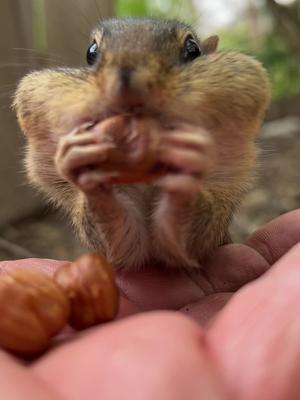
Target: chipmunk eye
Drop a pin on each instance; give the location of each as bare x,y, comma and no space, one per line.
92,53
191,49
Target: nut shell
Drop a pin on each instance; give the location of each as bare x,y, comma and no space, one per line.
33,309
90,286
136,143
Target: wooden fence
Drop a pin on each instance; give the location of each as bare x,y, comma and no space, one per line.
59,31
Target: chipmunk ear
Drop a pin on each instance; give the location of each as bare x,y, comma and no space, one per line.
210,45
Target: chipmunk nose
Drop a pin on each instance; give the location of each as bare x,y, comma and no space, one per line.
130,92
125,77
126,88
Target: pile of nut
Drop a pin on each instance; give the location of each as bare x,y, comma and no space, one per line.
36,307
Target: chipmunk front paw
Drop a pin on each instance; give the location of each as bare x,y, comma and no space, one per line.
187,157
79,157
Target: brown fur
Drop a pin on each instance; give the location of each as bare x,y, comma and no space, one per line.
224,94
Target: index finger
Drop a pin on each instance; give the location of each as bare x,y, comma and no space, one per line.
277,237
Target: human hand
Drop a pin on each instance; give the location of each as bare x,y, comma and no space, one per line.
202,294
250,351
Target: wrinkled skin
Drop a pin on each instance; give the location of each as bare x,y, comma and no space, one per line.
243,347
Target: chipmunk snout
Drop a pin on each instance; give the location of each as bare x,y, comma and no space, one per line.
129,87
125,89
126,77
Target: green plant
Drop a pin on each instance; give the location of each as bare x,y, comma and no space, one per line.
283,66
183,9
279,60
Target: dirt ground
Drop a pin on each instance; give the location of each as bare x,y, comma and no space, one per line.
276,191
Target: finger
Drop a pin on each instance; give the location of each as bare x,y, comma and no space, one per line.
180,184
157,356
82,156
233,266
277,237
258,332
34,264
204,311
188,160
19,383
81,139
228,270
197,142
91,180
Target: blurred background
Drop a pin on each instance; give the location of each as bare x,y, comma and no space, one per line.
36,34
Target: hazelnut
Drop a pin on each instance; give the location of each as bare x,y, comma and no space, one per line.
33,309
136,141
90,286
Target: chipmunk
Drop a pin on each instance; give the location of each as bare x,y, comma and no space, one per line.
206,107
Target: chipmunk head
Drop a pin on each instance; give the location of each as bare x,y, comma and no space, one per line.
133,60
